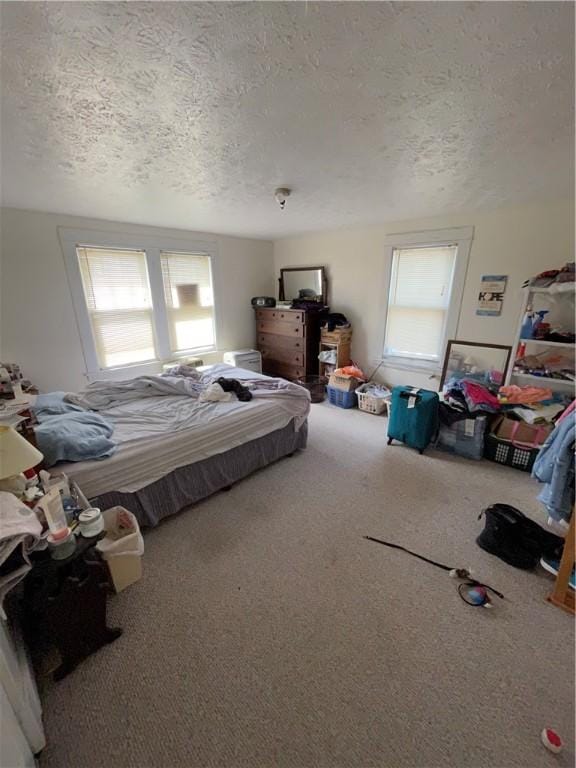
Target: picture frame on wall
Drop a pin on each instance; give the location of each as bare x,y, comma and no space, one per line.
491,295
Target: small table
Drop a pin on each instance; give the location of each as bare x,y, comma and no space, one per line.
67,599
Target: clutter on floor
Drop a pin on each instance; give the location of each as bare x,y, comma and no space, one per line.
342,385
470,590
514,538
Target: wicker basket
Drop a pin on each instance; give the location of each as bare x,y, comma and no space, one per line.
371,403
316,385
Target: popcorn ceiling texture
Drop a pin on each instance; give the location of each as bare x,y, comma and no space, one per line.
190,114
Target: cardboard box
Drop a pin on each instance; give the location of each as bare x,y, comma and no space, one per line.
343,382
519,432
124,570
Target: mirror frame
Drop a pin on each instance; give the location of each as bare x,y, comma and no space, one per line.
304,269
449,344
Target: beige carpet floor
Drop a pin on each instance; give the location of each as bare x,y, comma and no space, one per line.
268,632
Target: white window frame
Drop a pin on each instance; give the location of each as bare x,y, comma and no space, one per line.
461,238
71,239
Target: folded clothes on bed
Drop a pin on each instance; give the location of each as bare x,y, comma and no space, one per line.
74,437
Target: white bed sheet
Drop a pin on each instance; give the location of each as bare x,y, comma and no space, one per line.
159,434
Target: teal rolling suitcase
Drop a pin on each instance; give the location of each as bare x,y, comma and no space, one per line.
413,417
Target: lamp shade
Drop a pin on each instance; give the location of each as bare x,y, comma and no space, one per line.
16,453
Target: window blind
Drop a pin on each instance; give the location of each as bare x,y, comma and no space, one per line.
119,304
189,300
419,299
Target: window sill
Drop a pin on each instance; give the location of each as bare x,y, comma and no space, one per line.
417,366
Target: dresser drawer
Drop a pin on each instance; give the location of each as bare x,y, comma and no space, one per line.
270,340
281,328
282,355
284,315
283,370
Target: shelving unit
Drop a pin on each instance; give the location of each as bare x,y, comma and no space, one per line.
559,299
339,340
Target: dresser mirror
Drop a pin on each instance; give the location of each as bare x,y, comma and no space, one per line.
303,284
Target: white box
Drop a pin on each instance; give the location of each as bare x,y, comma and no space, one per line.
249,359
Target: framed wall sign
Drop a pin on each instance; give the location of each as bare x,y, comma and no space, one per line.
491,295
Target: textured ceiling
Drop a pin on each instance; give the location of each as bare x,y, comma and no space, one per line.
190,114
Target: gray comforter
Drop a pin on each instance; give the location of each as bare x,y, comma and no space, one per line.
101,395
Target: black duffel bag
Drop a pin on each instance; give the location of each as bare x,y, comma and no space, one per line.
516,539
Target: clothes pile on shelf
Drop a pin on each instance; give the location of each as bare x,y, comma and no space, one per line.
550,364
553,277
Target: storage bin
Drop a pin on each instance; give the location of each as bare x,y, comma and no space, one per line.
504,452
341,397
372,402
464,438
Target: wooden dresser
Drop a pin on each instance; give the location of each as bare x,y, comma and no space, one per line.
289,341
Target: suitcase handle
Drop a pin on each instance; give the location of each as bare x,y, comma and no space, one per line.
408,395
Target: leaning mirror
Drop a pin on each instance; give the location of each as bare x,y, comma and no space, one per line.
485,363
304,283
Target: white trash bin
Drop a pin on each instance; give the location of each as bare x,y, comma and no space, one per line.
122,548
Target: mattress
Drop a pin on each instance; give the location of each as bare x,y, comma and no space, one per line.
157,435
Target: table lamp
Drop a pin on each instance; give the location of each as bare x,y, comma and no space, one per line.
16,455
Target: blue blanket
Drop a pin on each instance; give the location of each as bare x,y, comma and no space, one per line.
53,404
75,436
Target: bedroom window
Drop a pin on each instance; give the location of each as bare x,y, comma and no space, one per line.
139,300
425,291
189,300
117,293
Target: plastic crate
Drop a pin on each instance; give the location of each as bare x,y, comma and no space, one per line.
371,403
341,397
504,452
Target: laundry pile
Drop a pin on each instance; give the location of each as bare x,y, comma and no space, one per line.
463,413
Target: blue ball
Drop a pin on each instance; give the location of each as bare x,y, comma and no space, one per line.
477,595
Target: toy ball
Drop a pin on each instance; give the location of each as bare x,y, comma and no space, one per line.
551,740
477,595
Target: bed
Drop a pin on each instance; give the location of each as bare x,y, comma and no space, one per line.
173,451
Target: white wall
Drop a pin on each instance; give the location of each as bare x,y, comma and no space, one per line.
37,322
518,242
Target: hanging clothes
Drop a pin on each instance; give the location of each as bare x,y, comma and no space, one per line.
554,466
